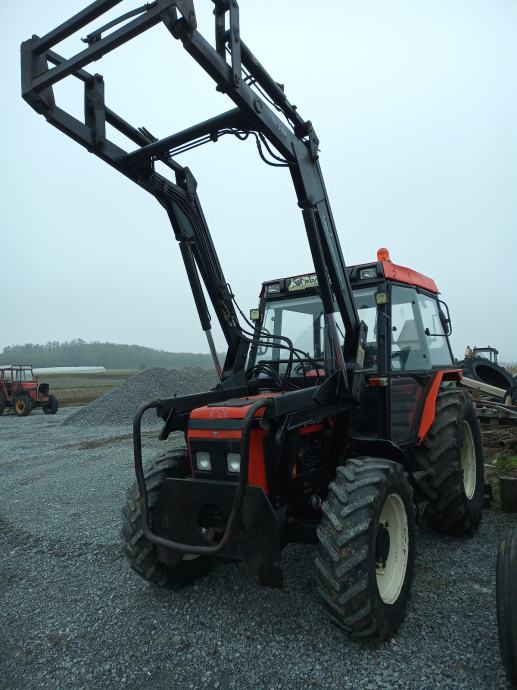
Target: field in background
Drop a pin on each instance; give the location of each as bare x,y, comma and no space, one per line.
81,389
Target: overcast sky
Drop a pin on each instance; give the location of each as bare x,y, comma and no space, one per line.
415,106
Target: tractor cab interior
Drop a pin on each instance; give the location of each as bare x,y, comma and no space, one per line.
292,341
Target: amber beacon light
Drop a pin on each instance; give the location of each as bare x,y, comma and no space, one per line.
383,254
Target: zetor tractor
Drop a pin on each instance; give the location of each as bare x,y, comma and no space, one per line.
21,390
338,416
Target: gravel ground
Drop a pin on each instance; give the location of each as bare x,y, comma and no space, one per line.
119,405
74,617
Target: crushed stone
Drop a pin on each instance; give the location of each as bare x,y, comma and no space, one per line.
118,406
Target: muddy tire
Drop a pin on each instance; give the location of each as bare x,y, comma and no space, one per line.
141,553
449,466
22,406
2,403
367,545
506,591
52,406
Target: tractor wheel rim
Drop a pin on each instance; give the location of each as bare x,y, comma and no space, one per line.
468,461
392,549
19,406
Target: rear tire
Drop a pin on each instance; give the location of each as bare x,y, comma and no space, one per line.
367,545
450,468
140,552
506,592
52,406
22,405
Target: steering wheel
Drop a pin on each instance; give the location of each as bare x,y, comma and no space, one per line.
302,368
402,355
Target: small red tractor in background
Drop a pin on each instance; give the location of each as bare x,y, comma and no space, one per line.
21,390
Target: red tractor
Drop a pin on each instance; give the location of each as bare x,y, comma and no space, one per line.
21,391
339,415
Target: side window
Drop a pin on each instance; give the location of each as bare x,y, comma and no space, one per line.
434,333
409,349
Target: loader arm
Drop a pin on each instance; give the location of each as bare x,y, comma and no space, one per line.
256,96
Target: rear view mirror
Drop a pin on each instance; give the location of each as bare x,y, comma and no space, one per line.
445,319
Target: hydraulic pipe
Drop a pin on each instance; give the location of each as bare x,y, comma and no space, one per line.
231,118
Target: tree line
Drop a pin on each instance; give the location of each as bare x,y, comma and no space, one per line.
78,352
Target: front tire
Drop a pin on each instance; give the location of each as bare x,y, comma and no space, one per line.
140,552
367,545
506,592
450,468
23,406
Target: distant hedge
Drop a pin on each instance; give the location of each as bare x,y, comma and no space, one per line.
110,355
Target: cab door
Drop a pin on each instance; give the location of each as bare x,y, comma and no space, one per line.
16,384
409,362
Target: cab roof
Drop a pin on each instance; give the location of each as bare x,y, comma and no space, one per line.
361,273
15,366
402,274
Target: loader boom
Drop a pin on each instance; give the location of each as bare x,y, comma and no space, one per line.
256,96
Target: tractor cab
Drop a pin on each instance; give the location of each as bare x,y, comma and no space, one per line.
489,353
406,344
407,325
18,379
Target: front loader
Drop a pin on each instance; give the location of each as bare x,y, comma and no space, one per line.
338,416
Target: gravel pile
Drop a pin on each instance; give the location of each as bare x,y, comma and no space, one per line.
118,407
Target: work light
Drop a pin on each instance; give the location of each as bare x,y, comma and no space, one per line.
366,273
203,461
233,461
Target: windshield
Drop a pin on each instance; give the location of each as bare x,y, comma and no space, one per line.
299,320
302,322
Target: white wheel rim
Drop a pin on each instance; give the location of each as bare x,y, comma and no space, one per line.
468,461
392,572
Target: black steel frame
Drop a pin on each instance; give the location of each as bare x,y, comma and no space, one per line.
292,144
296,145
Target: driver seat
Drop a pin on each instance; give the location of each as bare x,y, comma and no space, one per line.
409,338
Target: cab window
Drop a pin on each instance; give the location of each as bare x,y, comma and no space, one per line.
409,347
439,351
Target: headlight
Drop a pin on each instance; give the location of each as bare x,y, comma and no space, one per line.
233,461
203,461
